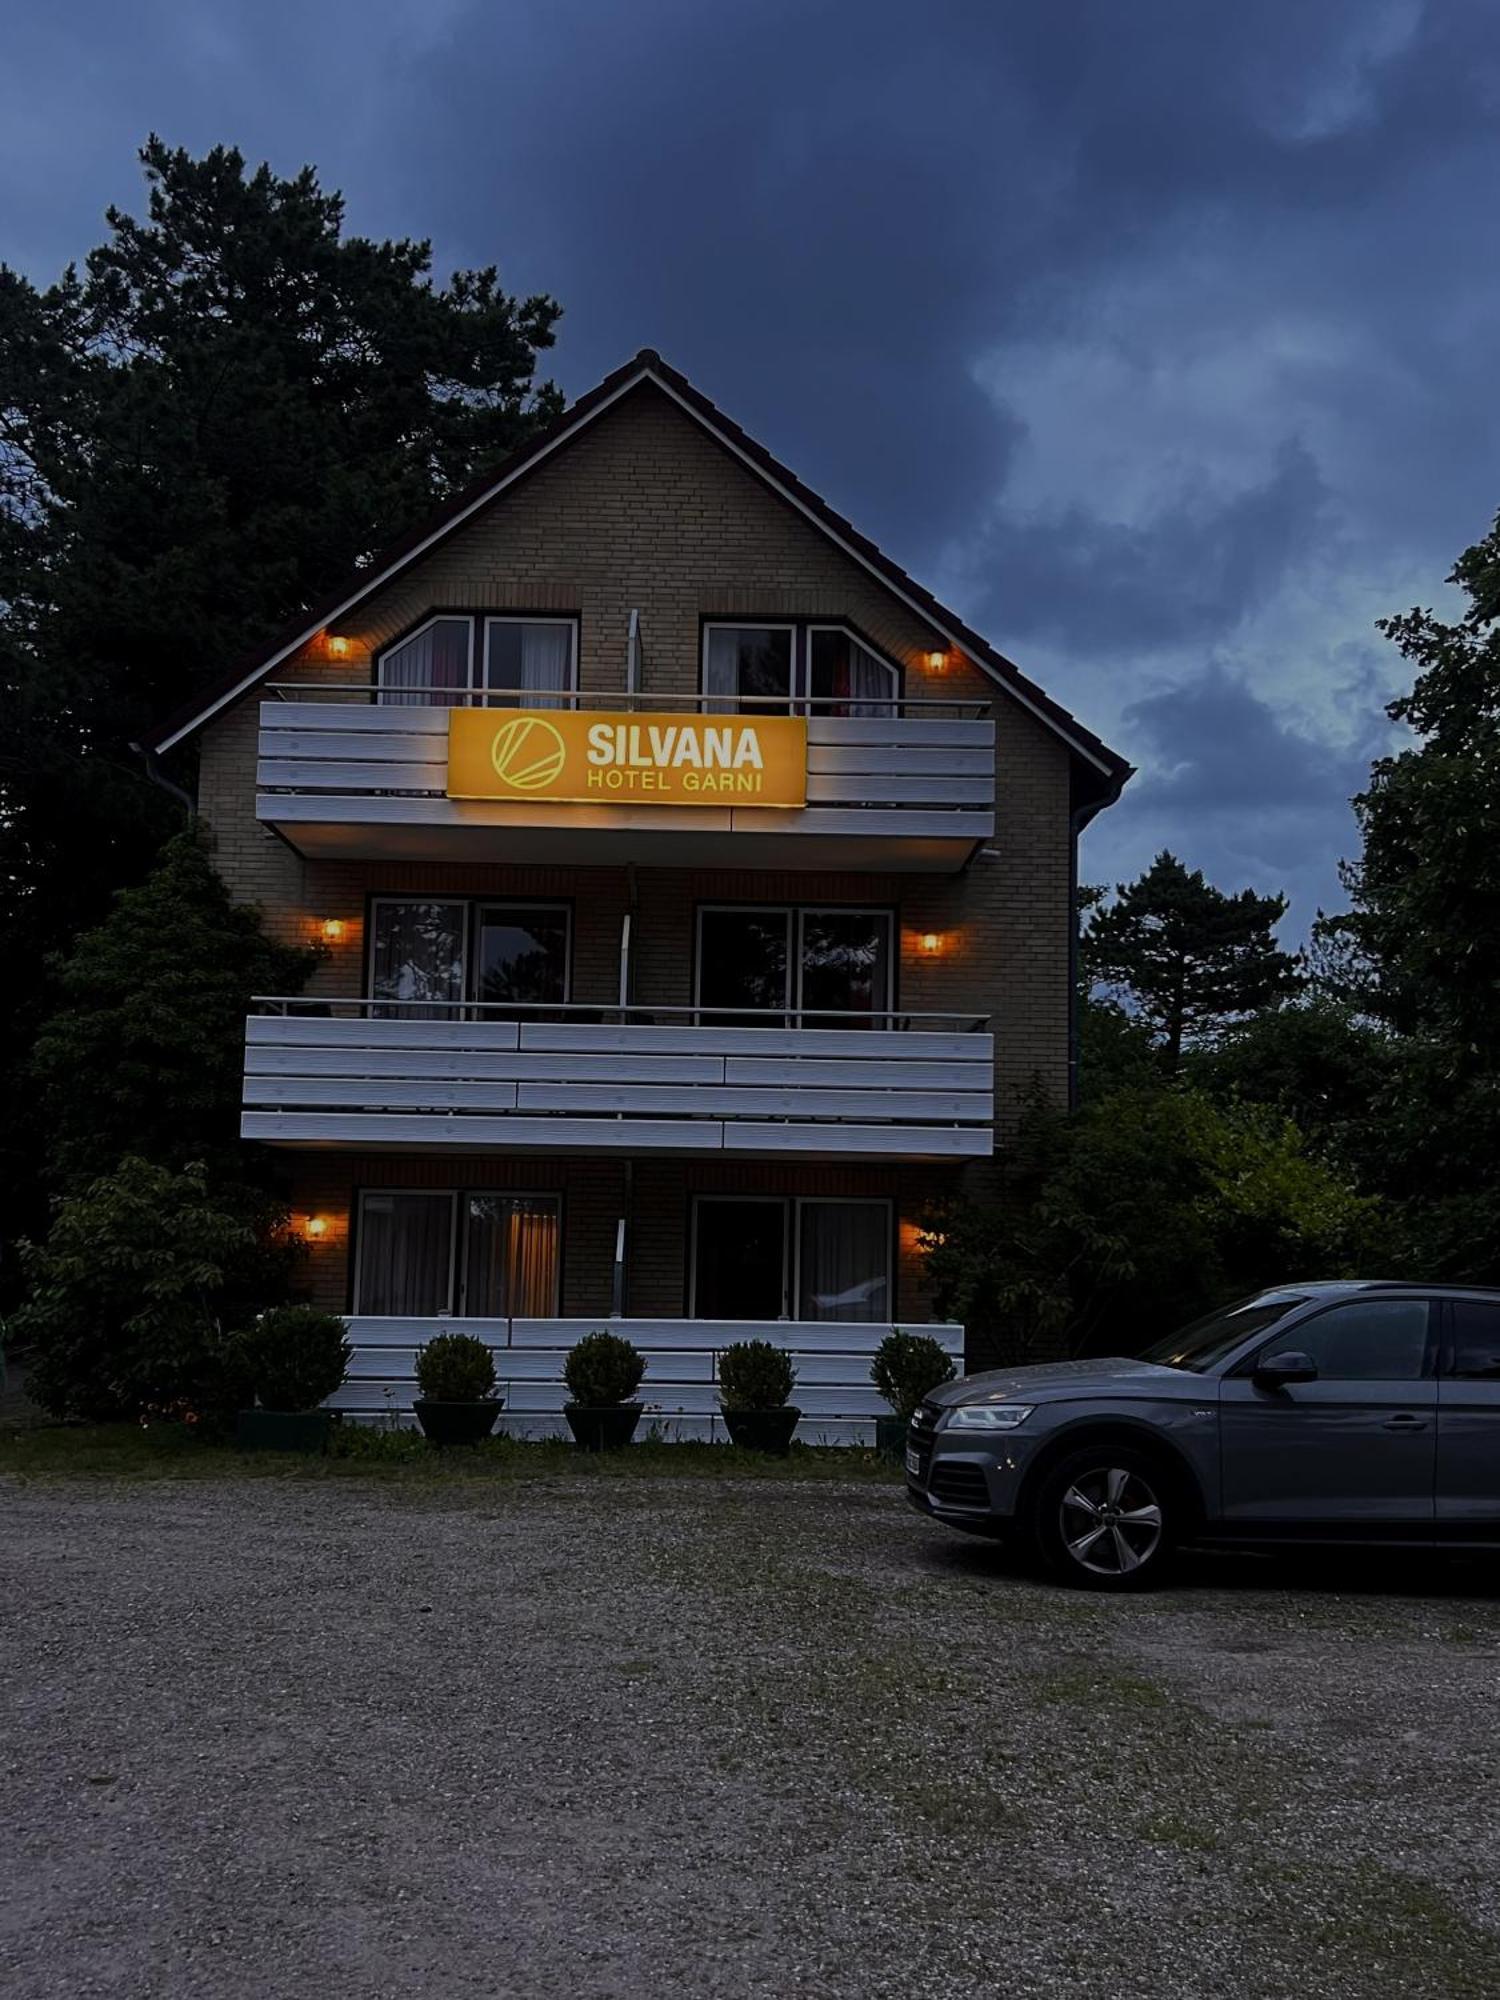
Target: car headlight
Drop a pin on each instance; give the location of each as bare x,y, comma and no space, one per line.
988,1416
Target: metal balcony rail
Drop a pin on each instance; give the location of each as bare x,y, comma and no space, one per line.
415,694
589,1013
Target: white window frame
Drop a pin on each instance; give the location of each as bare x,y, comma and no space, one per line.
791,1206
800,695
437,618
458,1243
479,667
836,625
795,913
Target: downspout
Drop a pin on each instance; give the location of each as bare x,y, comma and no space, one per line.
1078,819
159,777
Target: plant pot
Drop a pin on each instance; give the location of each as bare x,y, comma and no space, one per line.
890,1438
282,1430
608,1427
457,1423
763,1430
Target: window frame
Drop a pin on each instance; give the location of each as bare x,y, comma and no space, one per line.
791,1206
478,623
800,698
795,913
458,1245
471,905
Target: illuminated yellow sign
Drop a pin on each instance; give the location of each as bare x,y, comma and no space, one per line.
595,757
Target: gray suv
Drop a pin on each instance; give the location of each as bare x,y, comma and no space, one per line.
1350,1412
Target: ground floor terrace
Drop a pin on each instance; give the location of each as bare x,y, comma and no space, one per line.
682,1256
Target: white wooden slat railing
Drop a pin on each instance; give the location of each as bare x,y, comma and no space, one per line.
559,1086
335,764
832,1359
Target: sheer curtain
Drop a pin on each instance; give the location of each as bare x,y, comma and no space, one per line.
510,1264
847,678
405,1249
417,955
844,1260
428,670
533,660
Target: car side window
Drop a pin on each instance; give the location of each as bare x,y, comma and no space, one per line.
1476,1340
1375,1340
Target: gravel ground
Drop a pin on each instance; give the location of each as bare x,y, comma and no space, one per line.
649,1738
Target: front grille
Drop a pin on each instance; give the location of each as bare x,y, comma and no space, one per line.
955,1484
919,1442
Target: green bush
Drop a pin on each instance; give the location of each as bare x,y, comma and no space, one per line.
456,1368
603,1369
754,1375
906,1367
294,1356
130,1295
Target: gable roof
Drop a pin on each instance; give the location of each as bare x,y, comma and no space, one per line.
1103,770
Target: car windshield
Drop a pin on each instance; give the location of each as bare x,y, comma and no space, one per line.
1218,1333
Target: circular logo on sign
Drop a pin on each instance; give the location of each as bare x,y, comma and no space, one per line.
527,753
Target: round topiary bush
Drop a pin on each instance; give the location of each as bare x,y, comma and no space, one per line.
754,1375
906,1367
456,1368
294,1357
602,1369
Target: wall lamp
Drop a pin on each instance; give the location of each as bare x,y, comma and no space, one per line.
333,930
316,1227
937,660
338,646
932,943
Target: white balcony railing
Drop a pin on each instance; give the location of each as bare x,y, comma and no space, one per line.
903,783
832,1359
576,1079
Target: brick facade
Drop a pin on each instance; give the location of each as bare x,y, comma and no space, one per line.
644,511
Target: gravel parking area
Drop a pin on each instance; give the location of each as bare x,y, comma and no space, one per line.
654,1737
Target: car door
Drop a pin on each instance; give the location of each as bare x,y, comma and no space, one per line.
1468,1452
1354,1451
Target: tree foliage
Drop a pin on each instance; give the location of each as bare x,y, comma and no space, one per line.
146,1050
134,1293
1134,1215
207,427
1185,957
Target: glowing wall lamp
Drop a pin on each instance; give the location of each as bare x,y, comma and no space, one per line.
937,660
932,943
315,1228
338,646
333,930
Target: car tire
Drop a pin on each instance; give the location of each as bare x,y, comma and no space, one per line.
1107,1517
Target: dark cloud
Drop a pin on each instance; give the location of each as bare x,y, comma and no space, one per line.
1159,336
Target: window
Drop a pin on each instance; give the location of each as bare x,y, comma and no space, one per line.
771,669
522,953
529,658
748,667
422,954
532,662
846,678
417,955
763,1258
405,1254
1202,1342
1375,1340
1476,1340
484,1256
783,962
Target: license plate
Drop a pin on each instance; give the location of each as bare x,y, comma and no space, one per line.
913,1462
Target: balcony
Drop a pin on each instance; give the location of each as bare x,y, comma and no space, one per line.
903,784
628,1080
839,1404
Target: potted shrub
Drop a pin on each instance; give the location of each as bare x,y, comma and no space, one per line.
292,1359
457,1403
755,1383
906,1367
603,1373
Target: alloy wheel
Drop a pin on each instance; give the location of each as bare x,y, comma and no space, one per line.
1110,1520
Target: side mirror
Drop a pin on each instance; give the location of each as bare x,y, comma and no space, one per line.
1280,1371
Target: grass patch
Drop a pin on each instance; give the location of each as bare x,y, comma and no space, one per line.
1091,1686
171,1452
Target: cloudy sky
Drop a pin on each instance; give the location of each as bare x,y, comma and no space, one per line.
1158,337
